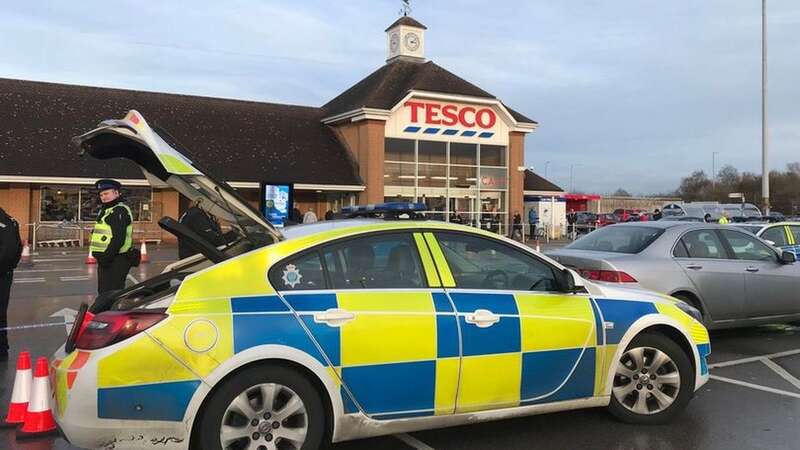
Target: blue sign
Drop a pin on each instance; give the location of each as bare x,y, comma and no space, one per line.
276,203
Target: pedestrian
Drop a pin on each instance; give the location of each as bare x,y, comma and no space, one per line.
517,228
112,238
657,214
533,219
205,225
10,253
572,219
707,218
329,215
723,220
309,216
297,216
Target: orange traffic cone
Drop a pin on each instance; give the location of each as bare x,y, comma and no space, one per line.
21,393
39,417
144,258
25,259
90,259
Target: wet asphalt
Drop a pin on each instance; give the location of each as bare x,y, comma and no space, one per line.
752,401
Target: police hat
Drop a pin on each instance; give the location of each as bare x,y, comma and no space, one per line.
105,184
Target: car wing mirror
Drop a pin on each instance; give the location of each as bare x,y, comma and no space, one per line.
772,243
571,281
788,257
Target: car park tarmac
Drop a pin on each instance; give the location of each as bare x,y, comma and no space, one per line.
752,400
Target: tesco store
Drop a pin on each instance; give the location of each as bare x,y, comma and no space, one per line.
409,131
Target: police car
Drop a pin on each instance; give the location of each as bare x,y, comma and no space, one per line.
353,328
782,235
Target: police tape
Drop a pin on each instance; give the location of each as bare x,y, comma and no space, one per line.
36,325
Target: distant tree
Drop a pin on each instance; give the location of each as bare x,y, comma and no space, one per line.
728,176
695,187
621,193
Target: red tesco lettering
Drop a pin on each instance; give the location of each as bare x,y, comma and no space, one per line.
449,115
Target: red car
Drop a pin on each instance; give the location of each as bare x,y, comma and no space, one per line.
606,219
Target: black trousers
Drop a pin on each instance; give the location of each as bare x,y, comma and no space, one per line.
112,277
5,297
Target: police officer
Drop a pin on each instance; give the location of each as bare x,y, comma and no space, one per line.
112,238
202,223
10,252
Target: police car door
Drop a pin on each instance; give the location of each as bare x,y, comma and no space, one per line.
376,321
523,342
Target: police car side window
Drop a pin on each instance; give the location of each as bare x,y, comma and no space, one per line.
383,261
298,274
481,263
776,235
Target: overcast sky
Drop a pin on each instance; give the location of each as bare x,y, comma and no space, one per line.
634,94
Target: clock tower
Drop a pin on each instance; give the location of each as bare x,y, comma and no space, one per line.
405,39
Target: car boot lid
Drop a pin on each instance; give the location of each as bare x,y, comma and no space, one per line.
133,138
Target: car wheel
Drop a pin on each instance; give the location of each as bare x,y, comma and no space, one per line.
263,408
653,381
687,299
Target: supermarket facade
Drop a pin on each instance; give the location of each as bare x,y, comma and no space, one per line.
410,131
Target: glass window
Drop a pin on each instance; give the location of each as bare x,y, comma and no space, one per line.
795,230
302,273
58,204
399,150
432,176
776,235
139,199
481,263
493,155
493,178
463,177
618,239
748,247
466,154
704,244
680,250
386,261
398,174
432,152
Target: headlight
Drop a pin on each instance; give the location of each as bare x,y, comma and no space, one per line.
690,310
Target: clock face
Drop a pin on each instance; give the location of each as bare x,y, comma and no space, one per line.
394,42
411,41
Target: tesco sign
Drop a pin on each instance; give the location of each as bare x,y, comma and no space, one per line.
448,114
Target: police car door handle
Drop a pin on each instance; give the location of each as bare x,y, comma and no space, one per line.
334,317
751,269
482,318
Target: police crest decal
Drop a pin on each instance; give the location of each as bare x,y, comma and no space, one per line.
291,276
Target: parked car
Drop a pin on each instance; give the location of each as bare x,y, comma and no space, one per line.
775,216
682,219
732,276
352,328
606,219
785,235
626,215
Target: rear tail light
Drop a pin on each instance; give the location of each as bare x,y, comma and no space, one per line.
609,276
110,327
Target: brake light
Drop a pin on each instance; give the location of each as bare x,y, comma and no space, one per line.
609,276
110,327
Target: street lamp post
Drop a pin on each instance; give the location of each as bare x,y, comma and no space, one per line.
571,184
764,134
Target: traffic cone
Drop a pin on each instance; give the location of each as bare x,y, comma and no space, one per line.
538,250
21,393
25,259
90,259
39,417
144,258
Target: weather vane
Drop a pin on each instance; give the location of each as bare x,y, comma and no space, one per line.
406,8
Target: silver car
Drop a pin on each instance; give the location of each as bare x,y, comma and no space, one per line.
733,277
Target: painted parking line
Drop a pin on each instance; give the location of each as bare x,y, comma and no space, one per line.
46,270
736,362
782,372
28,280
755,386
413,442
77,278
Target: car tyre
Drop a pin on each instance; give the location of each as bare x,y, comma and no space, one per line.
653,381
240,408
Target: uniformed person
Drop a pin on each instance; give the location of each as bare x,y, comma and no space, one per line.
202,223
112,238
10,252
